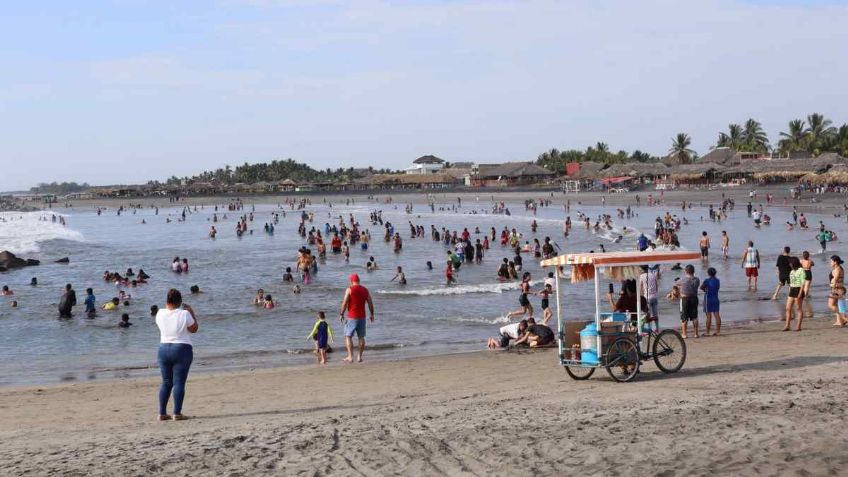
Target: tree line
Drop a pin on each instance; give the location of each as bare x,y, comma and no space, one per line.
813,135
273,171
59,188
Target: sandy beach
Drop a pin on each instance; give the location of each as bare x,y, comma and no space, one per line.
754,402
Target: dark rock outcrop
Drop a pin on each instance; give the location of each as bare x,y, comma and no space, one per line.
64,260
8,261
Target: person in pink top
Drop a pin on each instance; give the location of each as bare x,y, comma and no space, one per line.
355,299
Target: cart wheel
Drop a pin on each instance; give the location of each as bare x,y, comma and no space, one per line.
623,360
669,351
579,372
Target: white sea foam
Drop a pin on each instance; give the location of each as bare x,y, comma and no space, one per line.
24,232
488,321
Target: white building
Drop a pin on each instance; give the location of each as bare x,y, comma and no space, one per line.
426,165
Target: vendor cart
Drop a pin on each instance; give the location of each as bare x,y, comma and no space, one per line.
618,342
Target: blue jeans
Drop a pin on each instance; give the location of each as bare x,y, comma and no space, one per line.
174,363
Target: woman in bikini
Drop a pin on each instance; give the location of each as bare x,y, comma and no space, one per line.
526,307
836,300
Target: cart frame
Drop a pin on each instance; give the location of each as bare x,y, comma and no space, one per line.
600,262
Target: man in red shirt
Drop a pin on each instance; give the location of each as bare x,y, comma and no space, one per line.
355,299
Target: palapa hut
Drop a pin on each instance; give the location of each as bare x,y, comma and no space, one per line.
643,171
836,175
784,170
698,173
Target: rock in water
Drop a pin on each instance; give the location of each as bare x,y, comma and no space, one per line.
63,260
9,261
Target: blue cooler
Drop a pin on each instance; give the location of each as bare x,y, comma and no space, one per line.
589,344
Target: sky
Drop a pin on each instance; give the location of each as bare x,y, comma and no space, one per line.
124,91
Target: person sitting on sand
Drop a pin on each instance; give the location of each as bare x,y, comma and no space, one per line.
125,321
111,305
508,333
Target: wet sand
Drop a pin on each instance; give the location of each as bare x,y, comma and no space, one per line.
754,402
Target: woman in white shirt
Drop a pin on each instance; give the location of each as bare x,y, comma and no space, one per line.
176,323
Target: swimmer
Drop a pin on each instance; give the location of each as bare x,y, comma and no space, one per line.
33,282
7,291
111,304
195,290
269,303
259,299
14,304
399,276
154,310
125,321
296,289
288,277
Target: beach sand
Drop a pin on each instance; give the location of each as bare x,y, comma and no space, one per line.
754,402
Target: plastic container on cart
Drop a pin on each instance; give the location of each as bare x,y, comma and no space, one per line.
589,344
589,357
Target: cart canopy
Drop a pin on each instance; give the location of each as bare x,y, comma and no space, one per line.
617,259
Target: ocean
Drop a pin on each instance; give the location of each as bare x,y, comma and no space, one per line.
424,317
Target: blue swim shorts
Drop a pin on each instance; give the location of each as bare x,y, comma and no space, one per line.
355,326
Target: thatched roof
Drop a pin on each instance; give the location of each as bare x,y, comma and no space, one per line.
637,170
409,179
837,174
512,169
721,155
589,170
692,171
287,182
787,168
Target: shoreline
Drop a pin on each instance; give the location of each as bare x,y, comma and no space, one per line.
481,197
755,401
306,359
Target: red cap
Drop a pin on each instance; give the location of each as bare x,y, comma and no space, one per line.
354,278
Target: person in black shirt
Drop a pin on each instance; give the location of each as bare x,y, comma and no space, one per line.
784,266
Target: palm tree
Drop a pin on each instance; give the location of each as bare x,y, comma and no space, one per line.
795,139
820,131
602,147
732,139
754,136
680,148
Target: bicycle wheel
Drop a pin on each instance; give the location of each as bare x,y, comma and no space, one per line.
623,360
669,351
579,372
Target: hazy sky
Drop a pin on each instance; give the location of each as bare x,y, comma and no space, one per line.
129,90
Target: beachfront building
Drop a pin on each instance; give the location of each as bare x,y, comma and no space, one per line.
428,164
509,174
413,181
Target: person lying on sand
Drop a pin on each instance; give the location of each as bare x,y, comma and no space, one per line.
536,335
508,333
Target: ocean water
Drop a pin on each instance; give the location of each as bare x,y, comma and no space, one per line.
423,317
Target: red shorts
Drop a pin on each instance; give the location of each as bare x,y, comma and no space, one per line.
751,272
